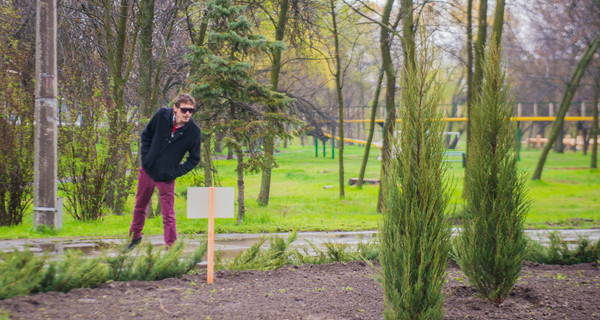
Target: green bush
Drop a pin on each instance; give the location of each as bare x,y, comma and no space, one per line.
415,233
560,252
491,247
276,256
22,272
151,264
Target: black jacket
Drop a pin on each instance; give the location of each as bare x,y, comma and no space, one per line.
162,152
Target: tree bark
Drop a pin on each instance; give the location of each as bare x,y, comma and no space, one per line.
570,90
594,133
363,166
480,48
265,184
408,32
390,108
145,64
469,62
498,22
145,72
338,86
240,184
119,64
207,159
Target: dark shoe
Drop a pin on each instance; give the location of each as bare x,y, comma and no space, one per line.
134,242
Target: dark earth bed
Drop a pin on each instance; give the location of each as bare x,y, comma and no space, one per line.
331,291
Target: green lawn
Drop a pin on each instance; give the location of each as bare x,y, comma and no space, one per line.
305,196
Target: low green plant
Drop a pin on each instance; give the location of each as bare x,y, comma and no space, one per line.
276,256
22,272
562,252
73,271
4,314
151,264
281,253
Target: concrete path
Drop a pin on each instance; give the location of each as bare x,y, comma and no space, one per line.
229,245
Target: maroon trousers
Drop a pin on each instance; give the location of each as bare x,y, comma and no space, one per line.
166,192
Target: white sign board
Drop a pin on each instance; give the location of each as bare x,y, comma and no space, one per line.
197,202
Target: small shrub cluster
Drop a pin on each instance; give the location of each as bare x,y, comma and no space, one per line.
280,254
275,257
23,272
562,252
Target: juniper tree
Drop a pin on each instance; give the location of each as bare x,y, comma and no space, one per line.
491,247
414,232
229,97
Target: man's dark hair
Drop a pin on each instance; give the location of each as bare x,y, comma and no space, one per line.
184,98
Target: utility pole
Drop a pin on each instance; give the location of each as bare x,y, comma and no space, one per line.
45,209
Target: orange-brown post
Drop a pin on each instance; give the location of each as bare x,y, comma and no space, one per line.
211,236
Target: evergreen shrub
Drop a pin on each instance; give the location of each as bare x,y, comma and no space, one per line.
562,252
492,245
22,272
151,264
414,233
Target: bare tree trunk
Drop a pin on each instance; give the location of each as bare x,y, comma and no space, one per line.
570,90
338,86
408,33
207,160
240,184
477,77
469,63
390,107
363,166
498,22
594,133
145,64
145,73
119,62
265,184
480,48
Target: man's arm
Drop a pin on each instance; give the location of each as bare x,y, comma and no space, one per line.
192,159
147,134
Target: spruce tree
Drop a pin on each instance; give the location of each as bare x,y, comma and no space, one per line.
415,233
230,98
491,247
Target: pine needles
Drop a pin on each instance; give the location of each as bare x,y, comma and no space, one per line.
22,273
415,233
492,246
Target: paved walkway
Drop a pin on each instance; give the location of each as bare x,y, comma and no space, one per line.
230,244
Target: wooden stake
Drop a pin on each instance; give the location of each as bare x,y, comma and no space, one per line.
211,236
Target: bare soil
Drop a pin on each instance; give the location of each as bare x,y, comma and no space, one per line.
331,291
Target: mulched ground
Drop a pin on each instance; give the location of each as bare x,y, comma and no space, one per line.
331,291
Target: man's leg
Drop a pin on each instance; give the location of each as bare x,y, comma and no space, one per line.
166,192
145,188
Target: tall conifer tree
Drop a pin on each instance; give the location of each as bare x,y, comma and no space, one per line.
415,232
229,97
491,247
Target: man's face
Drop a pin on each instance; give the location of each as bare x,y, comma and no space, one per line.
183,113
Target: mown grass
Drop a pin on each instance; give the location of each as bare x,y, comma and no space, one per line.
305,197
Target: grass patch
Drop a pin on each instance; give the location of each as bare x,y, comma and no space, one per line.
564,198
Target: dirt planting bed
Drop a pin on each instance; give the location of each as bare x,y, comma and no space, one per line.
331,291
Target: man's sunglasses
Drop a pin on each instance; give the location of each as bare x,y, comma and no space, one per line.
187,110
